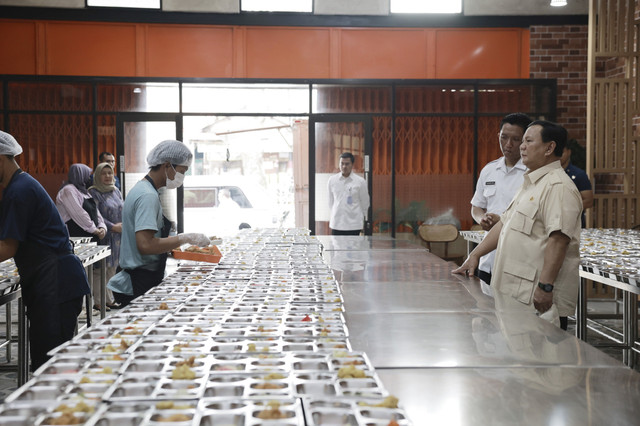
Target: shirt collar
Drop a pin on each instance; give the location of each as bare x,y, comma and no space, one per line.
519,165
538,174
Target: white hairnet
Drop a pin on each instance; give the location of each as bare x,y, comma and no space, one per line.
9,145
172,151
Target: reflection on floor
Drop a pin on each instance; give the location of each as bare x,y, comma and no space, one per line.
8,379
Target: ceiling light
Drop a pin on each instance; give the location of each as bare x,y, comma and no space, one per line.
558,3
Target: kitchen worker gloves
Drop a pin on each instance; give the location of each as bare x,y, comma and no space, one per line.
195,239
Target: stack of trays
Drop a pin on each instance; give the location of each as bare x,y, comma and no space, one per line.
258,339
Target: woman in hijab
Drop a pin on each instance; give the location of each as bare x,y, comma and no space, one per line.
109,200
77,209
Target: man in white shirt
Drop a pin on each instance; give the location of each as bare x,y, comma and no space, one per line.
498,183
348,199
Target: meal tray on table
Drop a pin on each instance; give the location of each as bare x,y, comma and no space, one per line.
209,254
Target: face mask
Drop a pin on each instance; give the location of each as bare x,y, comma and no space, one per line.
177,180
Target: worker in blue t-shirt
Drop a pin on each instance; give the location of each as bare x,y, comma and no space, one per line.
578,176
52,278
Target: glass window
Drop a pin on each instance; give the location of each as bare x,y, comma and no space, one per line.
426,6
276,6
50,96
238,98
434,99
139,97
351,99
535,100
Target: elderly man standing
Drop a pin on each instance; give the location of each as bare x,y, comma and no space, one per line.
538,236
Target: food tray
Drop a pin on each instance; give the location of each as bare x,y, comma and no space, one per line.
272,385
361,412
90,364
21,413
213,411
199,257
146,413
141,387
48,389
97,346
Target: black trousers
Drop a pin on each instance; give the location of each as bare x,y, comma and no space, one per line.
337,232
50,326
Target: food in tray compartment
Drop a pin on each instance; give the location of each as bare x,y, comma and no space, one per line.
163,306
189,362
183,373
389,402
274,376
203,250
272,412
80,407
351,372
178,417
393,423
64,419
170,405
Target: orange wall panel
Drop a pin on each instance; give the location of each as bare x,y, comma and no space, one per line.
18,47
189,51
100,49
287,53
383,53
491,53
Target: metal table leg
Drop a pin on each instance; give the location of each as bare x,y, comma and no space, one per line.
103,287
89,297
23,345
581,315
8,330
629,327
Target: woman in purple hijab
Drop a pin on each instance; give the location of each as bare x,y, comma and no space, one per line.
77,208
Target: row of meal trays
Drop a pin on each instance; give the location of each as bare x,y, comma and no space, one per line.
284,411
161,363
242,344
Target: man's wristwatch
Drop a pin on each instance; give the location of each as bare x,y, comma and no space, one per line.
547,288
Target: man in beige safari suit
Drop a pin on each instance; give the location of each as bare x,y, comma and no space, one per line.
538,236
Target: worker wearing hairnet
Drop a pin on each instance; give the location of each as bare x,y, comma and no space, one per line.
52,278
145,231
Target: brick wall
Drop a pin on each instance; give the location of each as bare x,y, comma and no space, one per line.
560,52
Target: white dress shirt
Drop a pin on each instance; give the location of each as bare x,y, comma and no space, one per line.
496,187
348,202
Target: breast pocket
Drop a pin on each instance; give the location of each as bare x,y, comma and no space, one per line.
523,279
489,191
524,217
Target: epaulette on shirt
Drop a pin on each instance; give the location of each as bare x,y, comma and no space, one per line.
555,177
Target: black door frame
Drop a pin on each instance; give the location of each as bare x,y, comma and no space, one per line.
366,120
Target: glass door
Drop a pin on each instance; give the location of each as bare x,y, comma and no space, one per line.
136,135
329,138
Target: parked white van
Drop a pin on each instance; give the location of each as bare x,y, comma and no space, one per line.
221,205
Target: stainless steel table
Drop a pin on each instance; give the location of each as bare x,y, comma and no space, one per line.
89,255
630,291
440,346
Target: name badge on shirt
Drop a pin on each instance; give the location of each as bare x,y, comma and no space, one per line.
349,198
490,183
